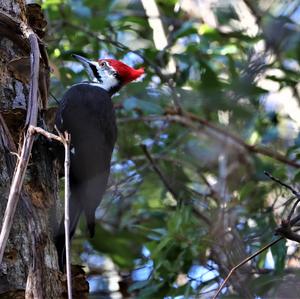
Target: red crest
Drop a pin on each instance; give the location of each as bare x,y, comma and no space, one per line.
126,72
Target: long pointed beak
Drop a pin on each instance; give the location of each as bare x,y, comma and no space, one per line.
90,67
82,59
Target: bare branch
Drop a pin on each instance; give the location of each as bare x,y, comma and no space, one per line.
169,187
158,172
66,141
285,229
296,193
38,130
244,262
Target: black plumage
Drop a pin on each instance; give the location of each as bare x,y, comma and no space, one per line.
87,113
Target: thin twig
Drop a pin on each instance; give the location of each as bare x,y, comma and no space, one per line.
158,172
285,204
67,140
169,187
295,192
289,222
22,163
285,229
244,262
293,210
295,220
38,130
286,222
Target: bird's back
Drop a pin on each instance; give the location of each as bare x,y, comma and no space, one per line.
87,113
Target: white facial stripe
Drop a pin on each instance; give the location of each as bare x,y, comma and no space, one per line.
109,83
108,79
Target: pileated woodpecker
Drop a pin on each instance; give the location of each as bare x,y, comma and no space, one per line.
87,113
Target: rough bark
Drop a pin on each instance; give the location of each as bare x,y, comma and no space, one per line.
29,266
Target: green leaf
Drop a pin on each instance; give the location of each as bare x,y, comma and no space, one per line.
163,243
123,246
279,252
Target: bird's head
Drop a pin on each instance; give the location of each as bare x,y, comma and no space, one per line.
110,74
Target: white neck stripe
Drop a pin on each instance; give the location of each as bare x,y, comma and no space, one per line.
96,84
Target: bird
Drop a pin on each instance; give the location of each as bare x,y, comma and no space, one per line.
87,113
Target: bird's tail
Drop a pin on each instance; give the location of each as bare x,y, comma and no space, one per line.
74,213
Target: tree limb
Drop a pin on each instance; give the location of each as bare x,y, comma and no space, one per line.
196,123
31,119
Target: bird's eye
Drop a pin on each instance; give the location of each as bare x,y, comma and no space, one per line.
103,63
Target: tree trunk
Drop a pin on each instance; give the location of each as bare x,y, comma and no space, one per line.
29,268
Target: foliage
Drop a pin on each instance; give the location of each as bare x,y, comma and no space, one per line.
222,201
